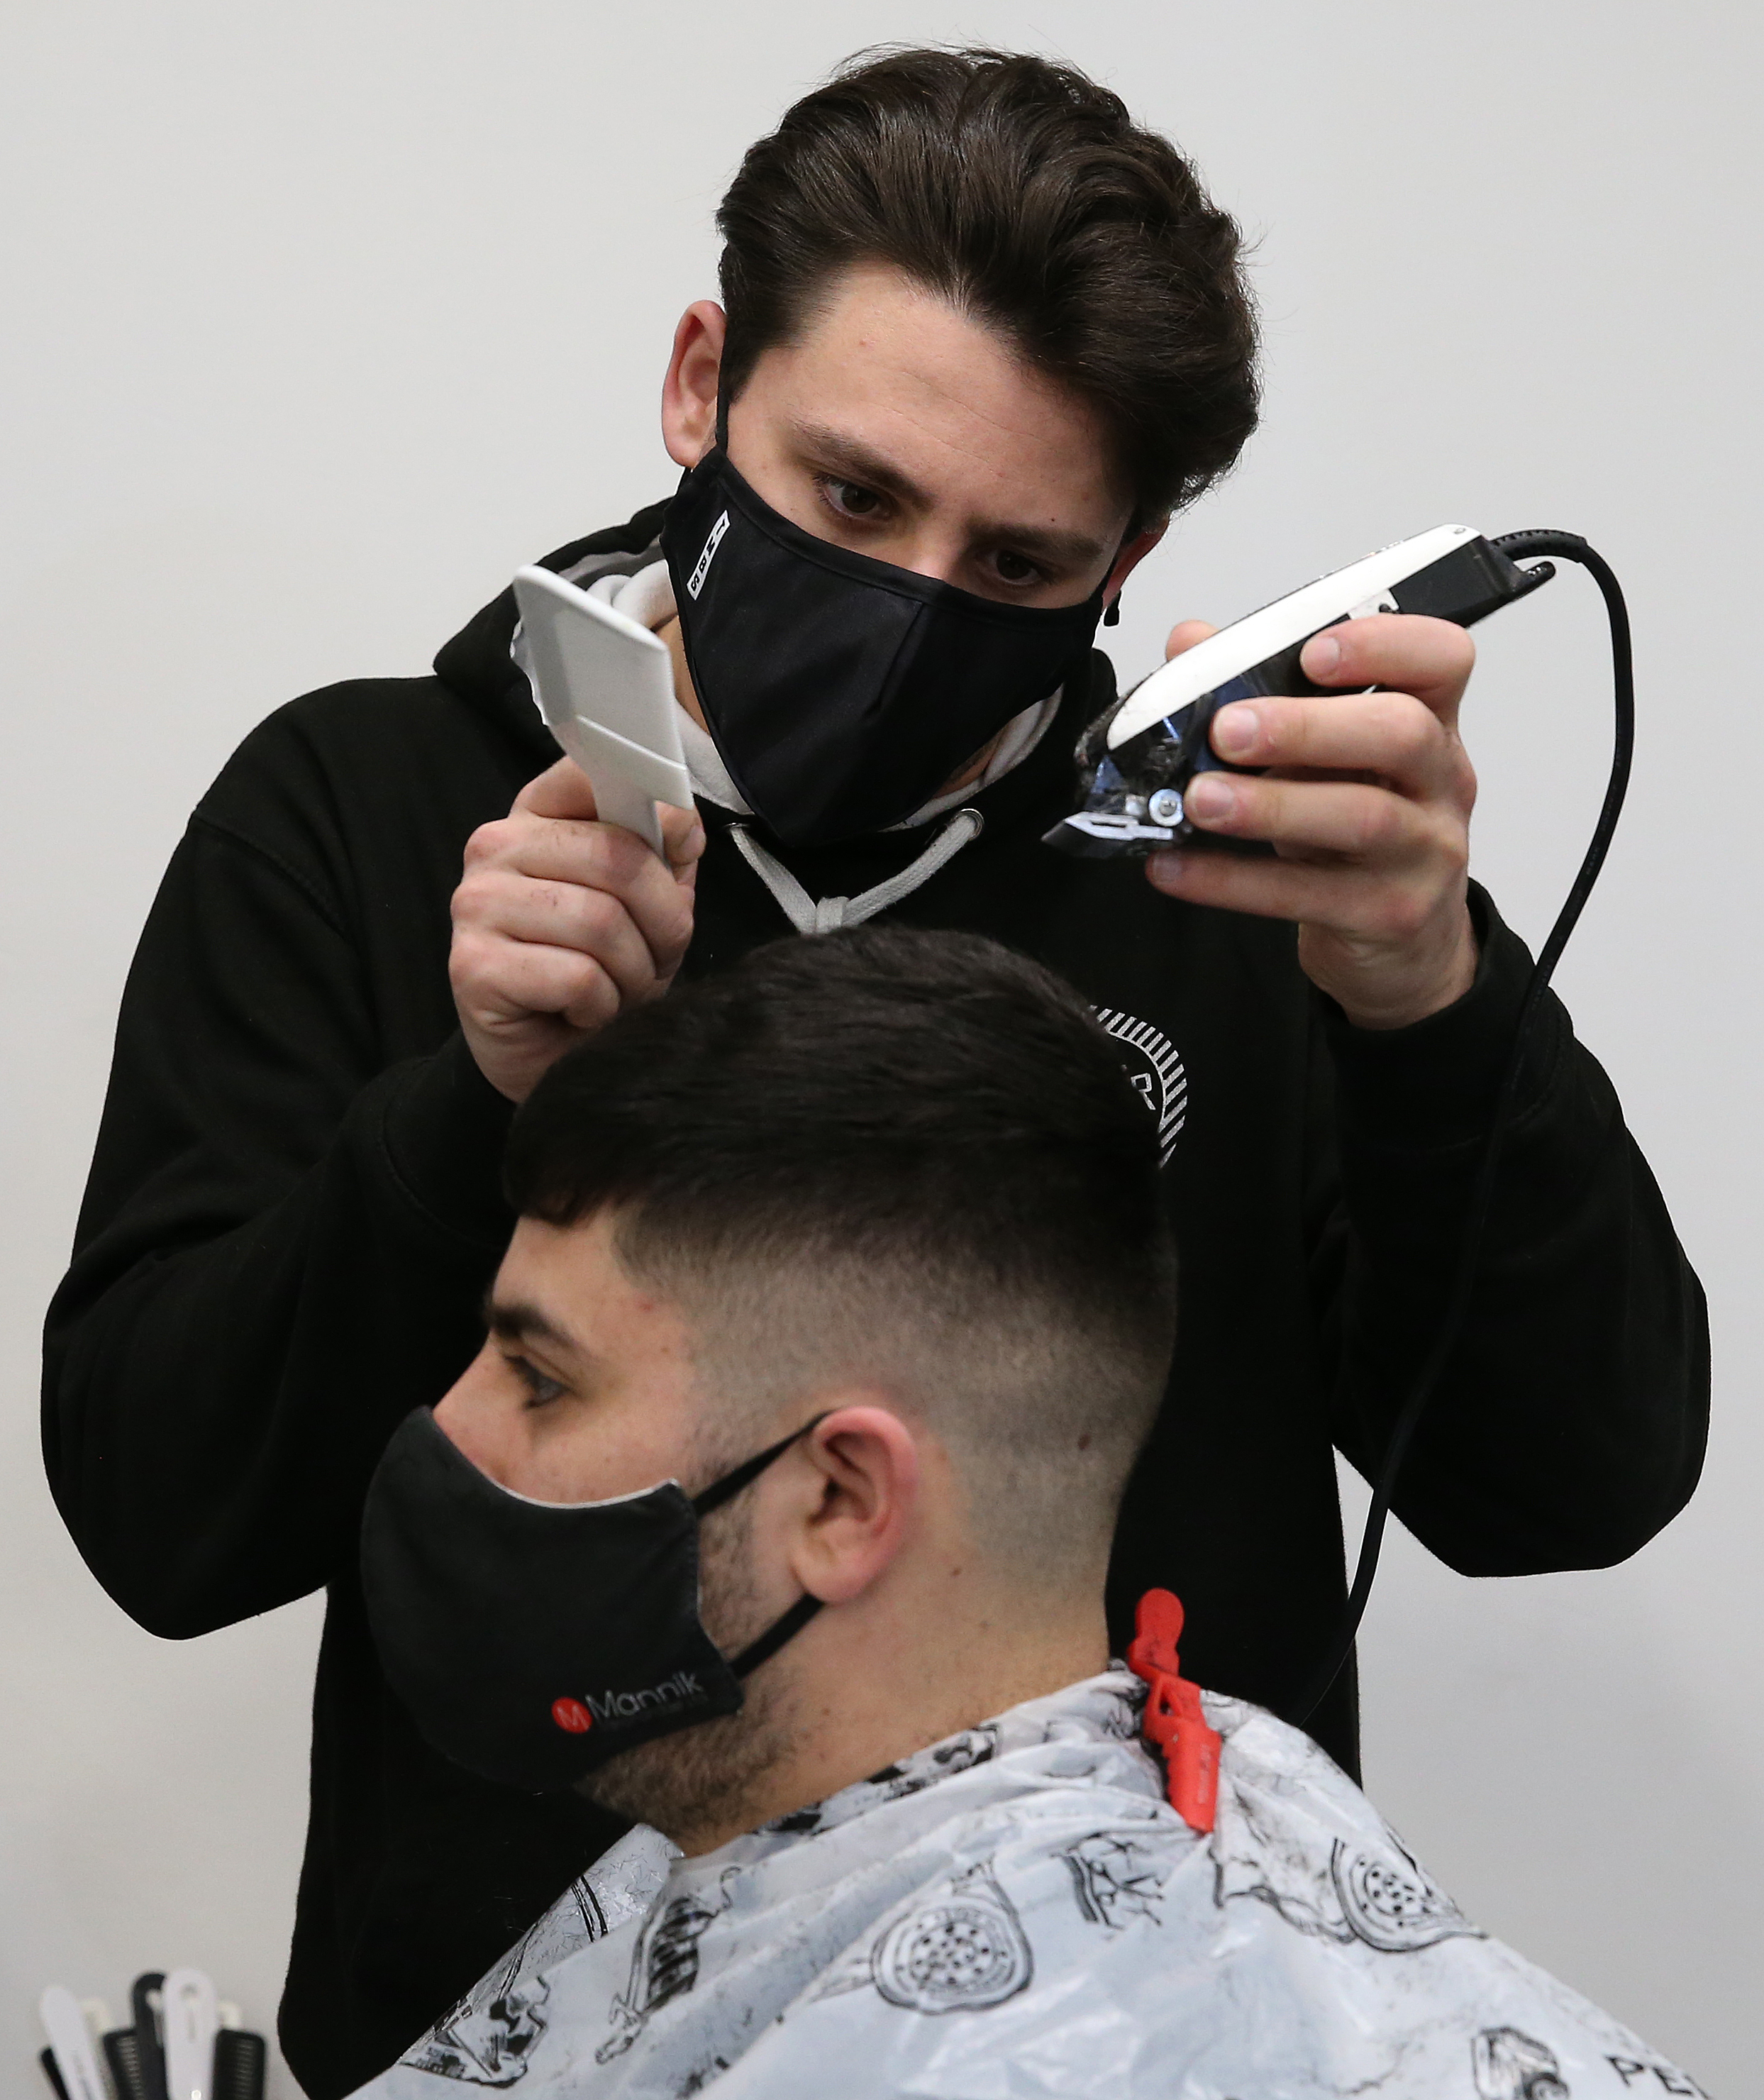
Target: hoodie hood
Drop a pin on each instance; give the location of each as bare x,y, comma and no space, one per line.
476,663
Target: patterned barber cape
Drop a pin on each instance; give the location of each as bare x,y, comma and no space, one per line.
1017,1913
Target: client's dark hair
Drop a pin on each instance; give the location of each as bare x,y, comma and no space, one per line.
895,1157
1024,194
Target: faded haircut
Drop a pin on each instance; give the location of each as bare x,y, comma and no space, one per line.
907,1159
1024,194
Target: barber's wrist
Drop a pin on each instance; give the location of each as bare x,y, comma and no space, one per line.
1378,988
1435,1080
443,1133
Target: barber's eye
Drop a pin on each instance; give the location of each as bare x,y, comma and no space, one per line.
852,499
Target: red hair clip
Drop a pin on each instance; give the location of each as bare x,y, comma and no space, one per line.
1174,1723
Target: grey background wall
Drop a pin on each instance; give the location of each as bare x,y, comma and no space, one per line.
320,319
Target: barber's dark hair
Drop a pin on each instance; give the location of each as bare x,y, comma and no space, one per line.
895,1154
1024,194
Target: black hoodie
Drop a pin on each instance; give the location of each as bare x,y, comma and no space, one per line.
294,1208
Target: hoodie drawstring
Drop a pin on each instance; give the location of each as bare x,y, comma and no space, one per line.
826,914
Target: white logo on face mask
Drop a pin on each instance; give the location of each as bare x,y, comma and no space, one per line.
695,581
678,1690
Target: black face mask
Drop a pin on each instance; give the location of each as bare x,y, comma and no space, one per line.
533,1641
843,692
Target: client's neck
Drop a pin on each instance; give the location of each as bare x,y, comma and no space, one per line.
866,1690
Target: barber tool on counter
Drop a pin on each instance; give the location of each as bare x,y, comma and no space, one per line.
181,2043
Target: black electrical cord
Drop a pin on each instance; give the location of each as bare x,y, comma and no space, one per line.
1517,546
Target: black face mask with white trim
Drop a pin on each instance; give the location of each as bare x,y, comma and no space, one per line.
843,692
532,1642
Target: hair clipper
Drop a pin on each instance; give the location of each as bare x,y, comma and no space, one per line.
1136,761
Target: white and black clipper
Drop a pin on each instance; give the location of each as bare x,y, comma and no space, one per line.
1136,761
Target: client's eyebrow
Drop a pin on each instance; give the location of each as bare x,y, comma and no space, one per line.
848,456
515,1320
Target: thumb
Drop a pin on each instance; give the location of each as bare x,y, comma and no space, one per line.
682,837
1184,634
562,790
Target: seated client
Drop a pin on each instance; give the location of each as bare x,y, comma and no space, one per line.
861,1244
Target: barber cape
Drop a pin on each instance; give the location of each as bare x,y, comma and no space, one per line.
1017,1912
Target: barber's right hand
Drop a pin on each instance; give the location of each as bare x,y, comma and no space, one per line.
560,921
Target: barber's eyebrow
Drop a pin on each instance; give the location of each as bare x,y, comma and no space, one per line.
515,1320
850,457
847,456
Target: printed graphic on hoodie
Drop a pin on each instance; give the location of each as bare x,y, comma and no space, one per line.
1156,1071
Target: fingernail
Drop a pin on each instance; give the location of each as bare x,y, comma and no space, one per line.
1322,655
1209,796
1236,729
1165,869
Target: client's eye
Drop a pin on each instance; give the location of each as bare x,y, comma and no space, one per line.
541,1390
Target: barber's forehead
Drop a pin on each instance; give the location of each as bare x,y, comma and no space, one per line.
901,377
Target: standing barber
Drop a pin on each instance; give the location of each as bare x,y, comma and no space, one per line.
979,337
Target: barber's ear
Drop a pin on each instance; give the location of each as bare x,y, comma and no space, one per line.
1130,556
689,392
869,1489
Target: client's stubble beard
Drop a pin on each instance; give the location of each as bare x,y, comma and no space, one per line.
702,1779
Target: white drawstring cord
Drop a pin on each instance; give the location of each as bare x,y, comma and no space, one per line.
826,914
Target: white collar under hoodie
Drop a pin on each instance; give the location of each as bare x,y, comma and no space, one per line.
1018,1912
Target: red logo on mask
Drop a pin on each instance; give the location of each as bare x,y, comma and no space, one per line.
572,1715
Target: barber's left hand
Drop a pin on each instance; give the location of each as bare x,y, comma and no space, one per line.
1367,805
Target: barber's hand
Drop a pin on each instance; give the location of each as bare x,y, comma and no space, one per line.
1367,805
560,921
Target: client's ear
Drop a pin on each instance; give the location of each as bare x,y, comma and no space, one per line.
870,1484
